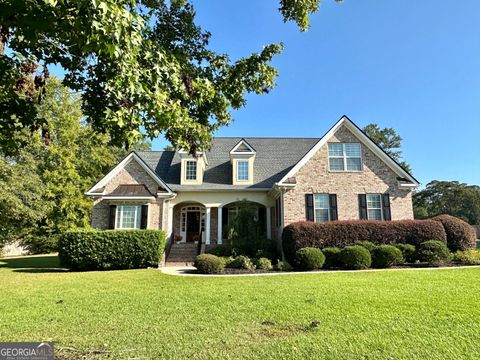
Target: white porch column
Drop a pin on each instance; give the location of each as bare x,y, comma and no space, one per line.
269,222
220,229
207,225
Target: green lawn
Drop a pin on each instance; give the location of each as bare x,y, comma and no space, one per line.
144,314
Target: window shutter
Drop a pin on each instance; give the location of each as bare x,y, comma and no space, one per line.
144,217
333,207
362,202
111,216
387,212
309,207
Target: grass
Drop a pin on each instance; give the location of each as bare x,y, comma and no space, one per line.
144,314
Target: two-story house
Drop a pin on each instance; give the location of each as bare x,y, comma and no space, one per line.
342,176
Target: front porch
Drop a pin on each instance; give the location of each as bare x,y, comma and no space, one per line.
204,217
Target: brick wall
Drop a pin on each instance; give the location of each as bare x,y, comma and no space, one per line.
376,177
133,173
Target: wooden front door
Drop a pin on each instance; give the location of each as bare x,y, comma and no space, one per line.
193,226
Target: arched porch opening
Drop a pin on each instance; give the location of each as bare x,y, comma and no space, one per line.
189,223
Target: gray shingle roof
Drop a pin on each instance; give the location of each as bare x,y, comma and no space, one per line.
274,158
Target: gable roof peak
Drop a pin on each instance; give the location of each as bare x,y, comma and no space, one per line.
243,147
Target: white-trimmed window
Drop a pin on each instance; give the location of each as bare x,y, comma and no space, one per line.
242,170
321,207
128,217
345,157
374,207
190,170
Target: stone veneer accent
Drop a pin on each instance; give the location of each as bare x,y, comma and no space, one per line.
376,177
133,173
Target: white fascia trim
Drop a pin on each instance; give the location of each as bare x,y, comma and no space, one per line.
243,141
223,190
122,165
408,185
128,197
362,137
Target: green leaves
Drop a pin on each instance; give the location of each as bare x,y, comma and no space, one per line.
143,68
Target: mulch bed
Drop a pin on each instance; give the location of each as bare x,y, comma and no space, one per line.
229,271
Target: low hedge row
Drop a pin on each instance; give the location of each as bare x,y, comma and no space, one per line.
345,233
111,249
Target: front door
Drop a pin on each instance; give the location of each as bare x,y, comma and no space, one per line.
193,226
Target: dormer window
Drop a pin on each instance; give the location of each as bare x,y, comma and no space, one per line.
345,157
191,170
242,157
242,170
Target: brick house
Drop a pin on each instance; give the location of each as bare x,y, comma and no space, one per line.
342,176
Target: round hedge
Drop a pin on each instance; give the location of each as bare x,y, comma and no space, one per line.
408,251
331,257
209,264
263,264
355,257
309,259
460,235
385,256
366,244
434,252
242,262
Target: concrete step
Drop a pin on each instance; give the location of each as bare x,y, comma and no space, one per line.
182,254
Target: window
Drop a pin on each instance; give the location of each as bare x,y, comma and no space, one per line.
321,207
374,207
128,217
191,170
344,157
242,170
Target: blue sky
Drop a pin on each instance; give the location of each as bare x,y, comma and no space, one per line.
410,65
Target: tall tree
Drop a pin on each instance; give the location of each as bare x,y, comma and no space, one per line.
143,67
42,187
448,197
389,141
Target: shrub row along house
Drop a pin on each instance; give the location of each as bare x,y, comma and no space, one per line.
342,176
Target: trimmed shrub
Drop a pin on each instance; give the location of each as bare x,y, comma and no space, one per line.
468,257
209,264
331,257
434,252
221,250
283,266
111,249
366,244
385,256
460,235
355,257
309,259
263,263
344,233
242,262
408,251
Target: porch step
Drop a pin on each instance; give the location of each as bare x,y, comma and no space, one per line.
182,254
